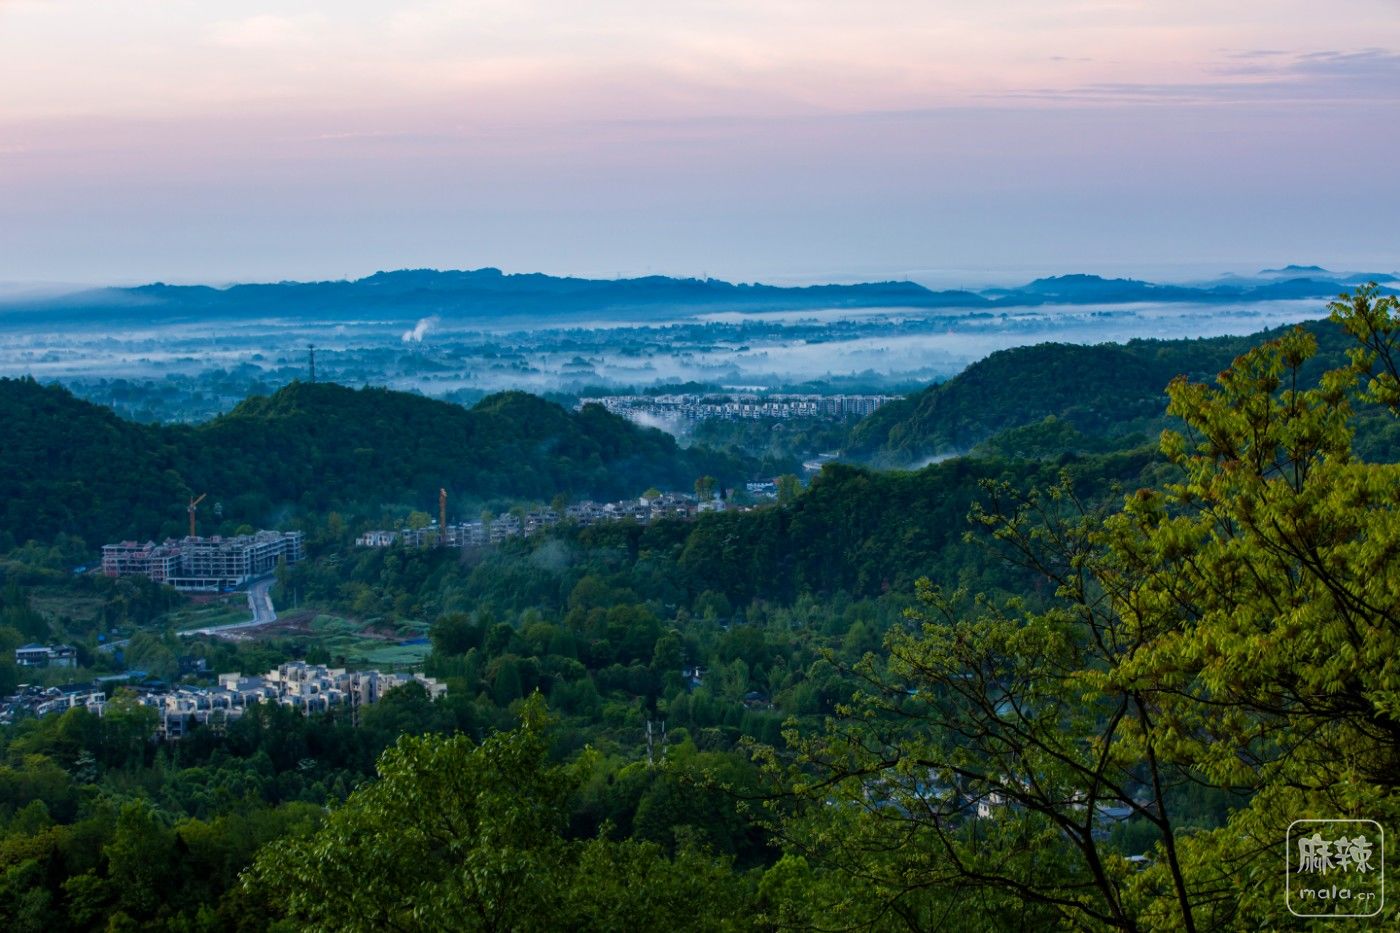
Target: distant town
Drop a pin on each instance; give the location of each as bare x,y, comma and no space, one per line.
649,507
687,409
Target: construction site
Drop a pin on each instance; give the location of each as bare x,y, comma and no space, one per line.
199,564
210,565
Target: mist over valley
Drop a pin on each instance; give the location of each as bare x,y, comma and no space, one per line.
185,353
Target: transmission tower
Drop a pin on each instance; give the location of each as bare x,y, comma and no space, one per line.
651,741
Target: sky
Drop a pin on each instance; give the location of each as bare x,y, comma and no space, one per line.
958,142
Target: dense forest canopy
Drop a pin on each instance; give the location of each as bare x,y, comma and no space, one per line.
75,468
1103,392
1089,690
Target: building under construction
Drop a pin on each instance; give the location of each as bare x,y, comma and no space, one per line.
204,564
159,562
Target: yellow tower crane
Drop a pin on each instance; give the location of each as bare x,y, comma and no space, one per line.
194,506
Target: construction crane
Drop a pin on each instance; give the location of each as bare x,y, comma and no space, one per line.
194,506
442,517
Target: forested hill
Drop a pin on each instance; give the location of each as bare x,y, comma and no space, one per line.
70,467
1099,391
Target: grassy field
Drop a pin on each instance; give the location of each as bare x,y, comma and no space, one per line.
365,644
57,604
390,655
328,626
225,610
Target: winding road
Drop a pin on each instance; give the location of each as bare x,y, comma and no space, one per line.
259,601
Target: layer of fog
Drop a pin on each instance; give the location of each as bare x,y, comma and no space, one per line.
439,357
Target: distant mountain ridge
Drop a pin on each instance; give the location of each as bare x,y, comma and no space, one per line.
1294,269
482,294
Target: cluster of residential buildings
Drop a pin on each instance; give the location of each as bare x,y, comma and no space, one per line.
36,655
211,564
309,688
689,408
480,533
30,700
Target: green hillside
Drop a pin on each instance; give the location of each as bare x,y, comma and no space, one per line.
1106,390
70,467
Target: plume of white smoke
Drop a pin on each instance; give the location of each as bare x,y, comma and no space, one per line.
937,458
420,330
648,420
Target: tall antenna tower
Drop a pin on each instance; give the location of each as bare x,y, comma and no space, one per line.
311,355
652,741
442,518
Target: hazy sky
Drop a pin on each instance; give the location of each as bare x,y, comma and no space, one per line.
201,140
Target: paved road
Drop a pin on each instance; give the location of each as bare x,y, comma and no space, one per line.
259,601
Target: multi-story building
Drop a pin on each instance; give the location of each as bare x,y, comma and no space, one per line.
31,700
377,539
35,655
308,688
159,562
478,534
211,564
219,563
